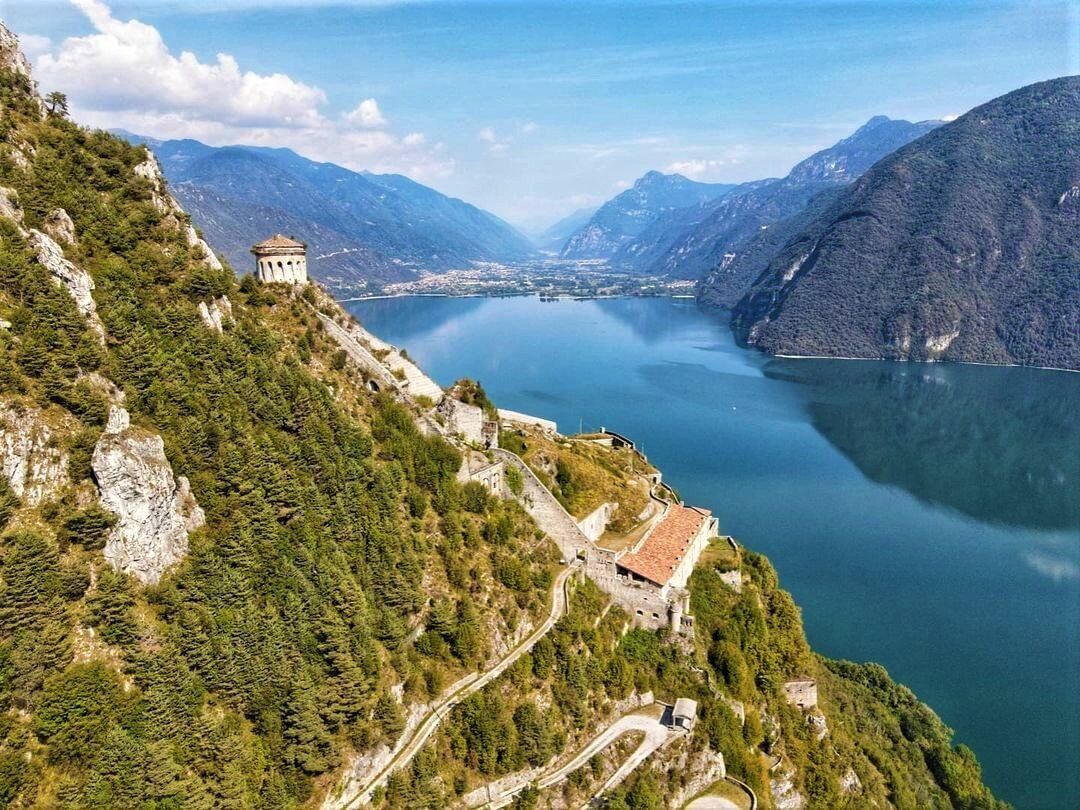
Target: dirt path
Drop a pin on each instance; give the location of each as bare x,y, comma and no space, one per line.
356,794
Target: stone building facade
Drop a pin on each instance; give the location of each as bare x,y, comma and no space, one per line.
281,260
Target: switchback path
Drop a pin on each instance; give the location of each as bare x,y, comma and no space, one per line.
411,743
656,734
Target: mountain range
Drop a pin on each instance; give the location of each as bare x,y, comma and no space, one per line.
692,240
964,245
359,226
625,217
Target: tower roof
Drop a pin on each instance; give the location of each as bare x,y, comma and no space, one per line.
278,241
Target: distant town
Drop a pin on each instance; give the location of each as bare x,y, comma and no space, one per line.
555,277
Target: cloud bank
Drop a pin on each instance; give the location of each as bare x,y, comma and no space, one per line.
125,75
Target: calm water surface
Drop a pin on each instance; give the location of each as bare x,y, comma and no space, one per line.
925,517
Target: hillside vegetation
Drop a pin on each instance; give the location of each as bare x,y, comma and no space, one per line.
341,577
258,663
964,245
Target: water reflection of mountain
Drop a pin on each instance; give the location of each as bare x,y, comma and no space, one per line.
410,315
652,323
999,444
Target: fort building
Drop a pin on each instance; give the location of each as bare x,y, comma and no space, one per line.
281,260
667,554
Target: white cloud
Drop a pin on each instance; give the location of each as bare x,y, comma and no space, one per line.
367,115
529,127
621,185
34,44
495,144
696,168
950,117
124,75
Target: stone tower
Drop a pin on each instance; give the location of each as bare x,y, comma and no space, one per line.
281,259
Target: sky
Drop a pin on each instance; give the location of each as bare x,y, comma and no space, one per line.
535,109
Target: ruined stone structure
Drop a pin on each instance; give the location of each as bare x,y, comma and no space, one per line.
801,693
468,421
282,260
478,467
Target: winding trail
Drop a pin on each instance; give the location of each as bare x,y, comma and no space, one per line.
656,735
411,742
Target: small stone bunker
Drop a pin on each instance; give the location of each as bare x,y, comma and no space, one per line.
684,715
801,693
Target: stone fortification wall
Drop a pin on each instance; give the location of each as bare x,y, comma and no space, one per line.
464,419
359,354
595,523
517,418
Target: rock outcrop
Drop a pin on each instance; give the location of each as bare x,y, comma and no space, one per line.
150,170
155,509
74,279
13,59
30,458
59,226
9,205
195,241
216,313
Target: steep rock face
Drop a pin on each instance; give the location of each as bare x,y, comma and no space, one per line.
59,226
156,510
30,459
196,241
961,246
11,56
216,313
74,279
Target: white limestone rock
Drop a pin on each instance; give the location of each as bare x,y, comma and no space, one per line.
11,55
150,170
196,242
850,782
10,207
785,794
13,59
30,457
74,279
59,226
216,313
156,511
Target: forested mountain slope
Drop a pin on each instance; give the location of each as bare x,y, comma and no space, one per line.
360,226
717,237
228,568
964,245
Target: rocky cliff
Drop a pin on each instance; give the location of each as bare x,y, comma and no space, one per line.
155,509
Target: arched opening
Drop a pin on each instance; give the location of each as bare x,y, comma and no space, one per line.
373,386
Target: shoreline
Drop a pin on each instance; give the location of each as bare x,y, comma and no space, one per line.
683,297
918,362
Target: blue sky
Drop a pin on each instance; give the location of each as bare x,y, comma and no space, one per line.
534,109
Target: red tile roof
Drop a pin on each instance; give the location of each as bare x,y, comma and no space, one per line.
279,241
666,544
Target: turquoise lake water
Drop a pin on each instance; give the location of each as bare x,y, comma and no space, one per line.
926,517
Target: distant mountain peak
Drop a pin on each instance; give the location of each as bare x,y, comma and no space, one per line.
955,247
360,226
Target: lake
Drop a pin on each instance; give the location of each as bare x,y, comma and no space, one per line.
926,517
